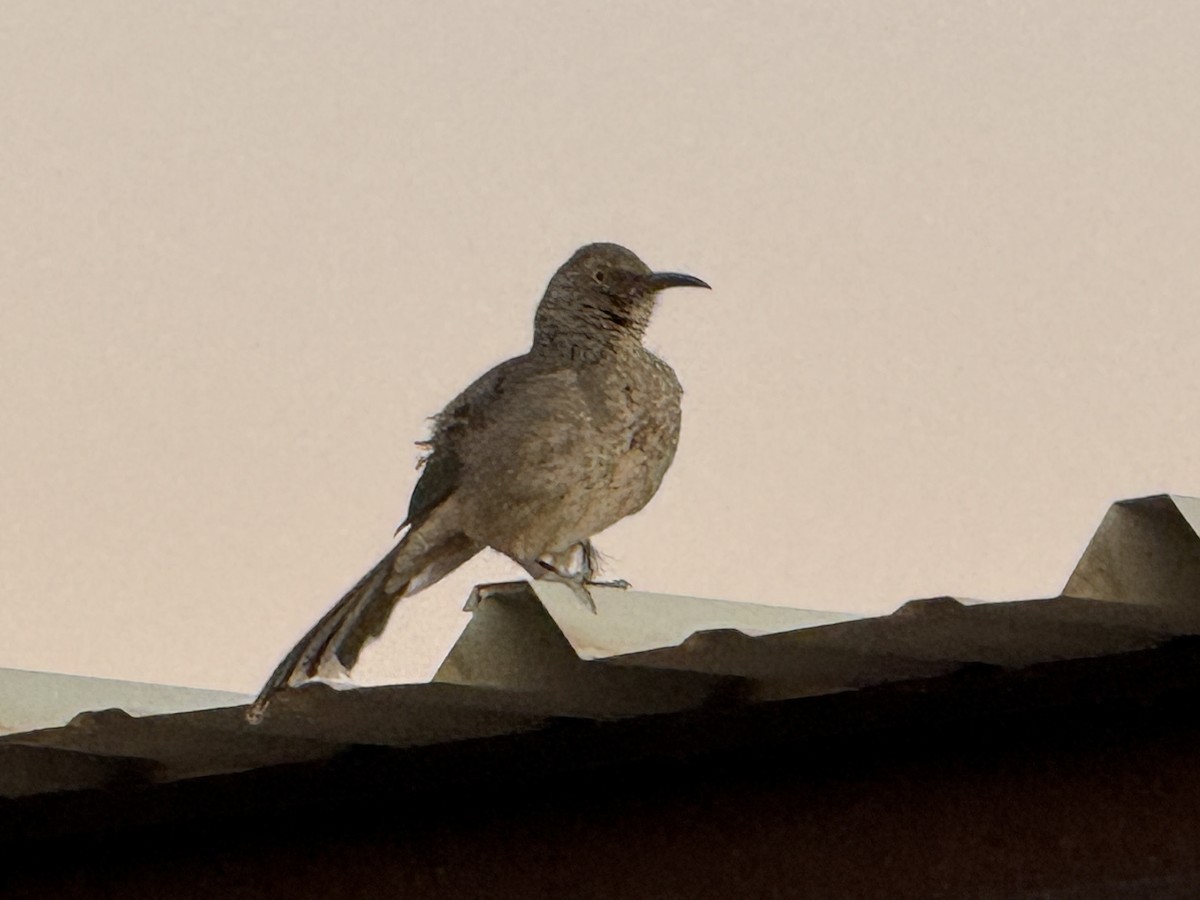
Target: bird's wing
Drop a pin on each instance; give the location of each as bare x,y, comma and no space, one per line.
465,418
440,471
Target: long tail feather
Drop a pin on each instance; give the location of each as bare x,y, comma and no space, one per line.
361,615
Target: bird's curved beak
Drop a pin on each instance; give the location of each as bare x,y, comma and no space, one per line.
658,281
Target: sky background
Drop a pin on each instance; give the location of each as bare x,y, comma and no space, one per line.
246,250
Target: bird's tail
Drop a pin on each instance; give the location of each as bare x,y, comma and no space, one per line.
422,557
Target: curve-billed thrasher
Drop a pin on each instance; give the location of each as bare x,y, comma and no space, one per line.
534,458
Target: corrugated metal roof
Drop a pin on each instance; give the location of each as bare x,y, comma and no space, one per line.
531,657
31,700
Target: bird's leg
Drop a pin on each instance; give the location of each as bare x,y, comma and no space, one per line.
540,570
556,567
589,563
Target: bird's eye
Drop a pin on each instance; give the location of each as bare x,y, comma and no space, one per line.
599,276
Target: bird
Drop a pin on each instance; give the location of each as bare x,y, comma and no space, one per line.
533,459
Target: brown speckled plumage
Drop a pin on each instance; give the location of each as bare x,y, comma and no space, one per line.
535,457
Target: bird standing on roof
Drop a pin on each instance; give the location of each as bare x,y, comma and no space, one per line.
539,454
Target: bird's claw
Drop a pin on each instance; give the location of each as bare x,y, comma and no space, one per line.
579,588
619,584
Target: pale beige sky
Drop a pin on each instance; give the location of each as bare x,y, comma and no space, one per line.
246,248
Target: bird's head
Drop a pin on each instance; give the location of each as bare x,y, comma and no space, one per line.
603,292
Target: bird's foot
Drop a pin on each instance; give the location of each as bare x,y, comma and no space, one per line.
579,588
579,585
554,568
576,581
620,584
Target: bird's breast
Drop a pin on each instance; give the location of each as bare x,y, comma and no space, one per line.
588,451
